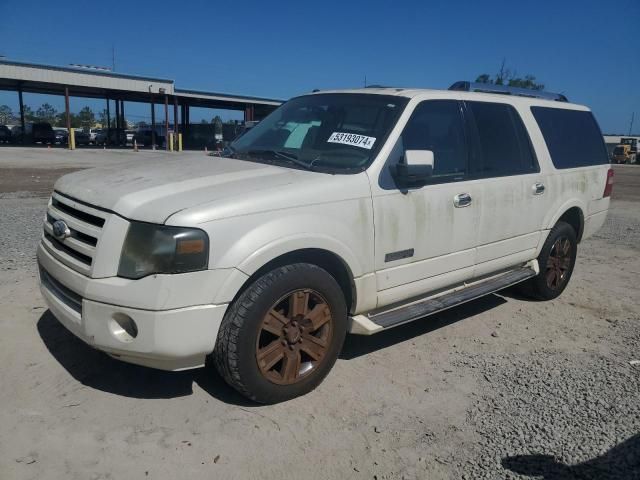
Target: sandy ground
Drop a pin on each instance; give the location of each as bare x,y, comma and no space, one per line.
459,395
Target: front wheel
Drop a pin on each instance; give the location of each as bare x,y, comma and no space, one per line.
556,261
283,334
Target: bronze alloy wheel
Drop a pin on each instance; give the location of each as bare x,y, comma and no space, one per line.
294,337
558,263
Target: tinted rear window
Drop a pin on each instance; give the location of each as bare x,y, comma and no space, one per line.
572,137
503,141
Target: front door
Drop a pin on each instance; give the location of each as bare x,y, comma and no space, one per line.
425,237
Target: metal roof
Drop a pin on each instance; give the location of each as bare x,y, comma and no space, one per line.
180,92
50,79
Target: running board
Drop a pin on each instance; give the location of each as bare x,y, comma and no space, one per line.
374,322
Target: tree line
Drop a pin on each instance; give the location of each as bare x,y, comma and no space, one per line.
85,118
510,78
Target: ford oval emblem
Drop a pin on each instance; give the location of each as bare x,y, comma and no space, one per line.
60,230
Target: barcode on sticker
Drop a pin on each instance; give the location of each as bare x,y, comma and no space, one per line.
352,139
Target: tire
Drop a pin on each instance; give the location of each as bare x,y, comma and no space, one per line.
264,349
551,281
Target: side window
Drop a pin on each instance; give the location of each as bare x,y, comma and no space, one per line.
502,140
572,137
437,125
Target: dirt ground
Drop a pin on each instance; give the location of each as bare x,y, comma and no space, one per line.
501,387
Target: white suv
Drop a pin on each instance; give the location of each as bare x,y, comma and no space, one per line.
344,211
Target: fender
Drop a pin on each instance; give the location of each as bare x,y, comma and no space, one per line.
556,213
552,218
291,243
247,244
281,246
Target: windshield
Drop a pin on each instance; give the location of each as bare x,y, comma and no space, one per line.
335,132
618,151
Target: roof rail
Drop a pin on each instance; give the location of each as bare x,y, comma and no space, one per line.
505,90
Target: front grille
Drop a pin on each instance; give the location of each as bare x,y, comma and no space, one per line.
62,293
57,244
74,212
85,223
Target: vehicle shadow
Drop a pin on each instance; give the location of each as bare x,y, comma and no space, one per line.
97,370
358,345
514,293
622,462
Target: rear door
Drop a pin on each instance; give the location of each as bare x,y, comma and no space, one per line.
512,203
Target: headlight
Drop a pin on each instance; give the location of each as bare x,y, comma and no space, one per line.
150,248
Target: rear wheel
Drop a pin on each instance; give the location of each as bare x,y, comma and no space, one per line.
556,261
283,334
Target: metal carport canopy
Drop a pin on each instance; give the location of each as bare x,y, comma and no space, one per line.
48,79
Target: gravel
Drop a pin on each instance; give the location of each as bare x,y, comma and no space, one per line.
549,412
20,230
622,226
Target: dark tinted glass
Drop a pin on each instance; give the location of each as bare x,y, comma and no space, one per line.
572,137
436,125
502,139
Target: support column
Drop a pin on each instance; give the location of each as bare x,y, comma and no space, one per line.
187,123
108,122
166,122
153,125
70,142
248,113
22,124
175,115
117,135
124,120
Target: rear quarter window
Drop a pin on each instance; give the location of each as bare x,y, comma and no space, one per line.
572,137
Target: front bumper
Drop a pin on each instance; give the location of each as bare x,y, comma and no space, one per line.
168,339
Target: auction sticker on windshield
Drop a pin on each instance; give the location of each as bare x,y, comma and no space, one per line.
352,139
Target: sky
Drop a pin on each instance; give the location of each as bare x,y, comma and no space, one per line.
587,49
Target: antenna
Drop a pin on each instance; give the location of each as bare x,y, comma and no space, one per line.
113,58
633,115
365,81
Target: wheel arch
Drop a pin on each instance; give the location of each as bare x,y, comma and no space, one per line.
574,217
573,214
335,265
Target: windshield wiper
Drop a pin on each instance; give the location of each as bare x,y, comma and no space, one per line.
289,157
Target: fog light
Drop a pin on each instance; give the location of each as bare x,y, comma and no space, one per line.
123,327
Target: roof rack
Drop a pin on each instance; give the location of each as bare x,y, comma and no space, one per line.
505,90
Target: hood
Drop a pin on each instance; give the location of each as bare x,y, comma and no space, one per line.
152,191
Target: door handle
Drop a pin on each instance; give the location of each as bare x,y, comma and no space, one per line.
538,188
462,200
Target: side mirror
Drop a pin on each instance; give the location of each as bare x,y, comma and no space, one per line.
415,170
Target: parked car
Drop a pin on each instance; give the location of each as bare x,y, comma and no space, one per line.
92,132
81,137
111,137
35,132
143,137
5,134
61,135
129,136
341,212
